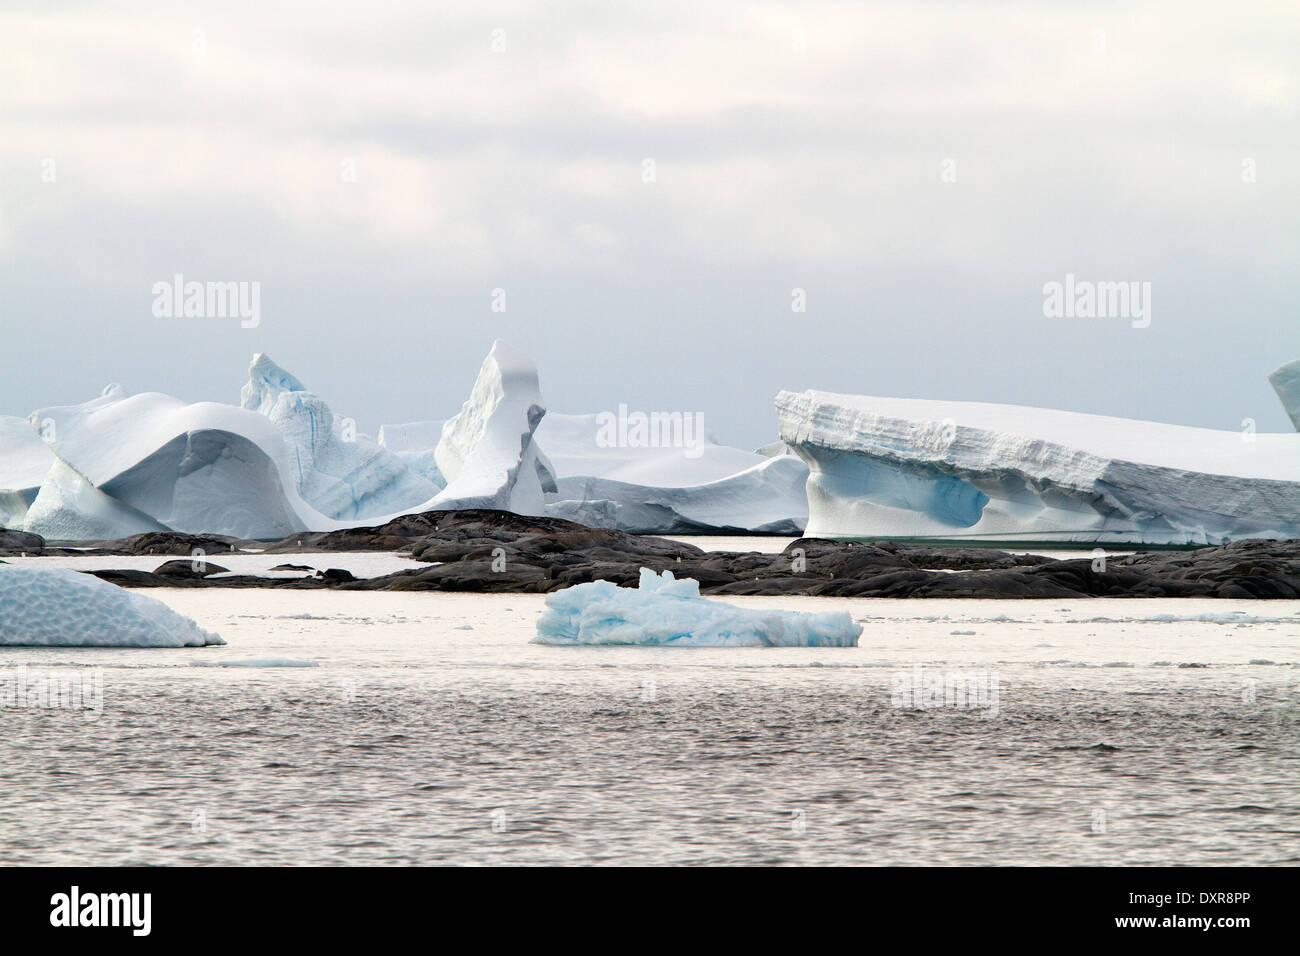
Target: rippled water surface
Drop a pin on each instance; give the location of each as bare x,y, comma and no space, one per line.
1126,731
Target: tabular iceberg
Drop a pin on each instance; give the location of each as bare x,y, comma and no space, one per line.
56,607
665,611
913,468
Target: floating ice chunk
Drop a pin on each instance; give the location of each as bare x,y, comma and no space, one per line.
666,611
56,607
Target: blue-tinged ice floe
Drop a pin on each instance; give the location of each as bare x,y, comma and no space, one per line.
56,607
665,611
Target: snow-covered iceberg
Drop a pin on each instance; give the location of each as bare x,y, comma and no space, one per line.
56,607
917,468
126,464
665,611
487,452
340,472
699,485
25,460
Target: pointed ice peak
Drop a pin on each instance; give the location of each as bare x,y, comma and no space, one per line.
1286,382
266,380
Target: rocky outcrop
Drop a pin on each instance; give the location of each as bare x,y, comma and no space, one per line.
496,551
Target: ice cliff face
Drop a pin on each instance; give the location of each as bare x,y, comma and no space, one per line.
906,467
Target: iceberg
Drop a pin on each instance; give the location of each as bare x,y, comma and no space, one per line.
341,473
705,486
416,444
487,452
892,467
663,611
57,607
1286,382
147,462
25,459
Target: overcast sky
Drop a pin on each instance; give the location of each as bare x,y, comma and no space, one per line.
921,170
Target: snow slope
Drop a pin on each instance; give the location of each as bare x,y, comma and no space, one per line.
665,611
911,467
56,607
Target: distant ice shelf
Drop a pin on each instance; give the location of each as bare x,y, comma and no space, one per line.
663,611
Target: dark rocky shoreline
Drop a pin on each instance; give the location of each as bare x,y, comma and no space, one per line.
496,551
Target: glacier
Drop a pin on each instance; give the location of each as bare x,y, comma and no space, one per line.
57,607
664,611
891,467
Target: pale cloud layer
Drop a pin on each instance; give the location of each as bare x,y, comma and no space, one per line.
380,168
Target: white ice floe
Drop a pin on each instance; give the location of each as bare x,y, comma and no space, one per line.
910,467
665,611
55,607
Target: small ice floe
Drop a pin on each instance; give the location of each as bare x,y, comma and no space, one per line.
57,607
665,611
258,662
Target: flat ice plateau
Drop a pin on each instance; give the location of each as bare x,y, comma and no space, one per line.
57,607
663,611
919,468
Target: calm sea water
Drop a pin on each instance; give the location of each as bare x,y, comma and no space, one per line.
431,731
